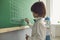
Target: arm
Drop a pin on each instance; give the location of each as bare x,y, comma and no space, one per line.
41,30
28,23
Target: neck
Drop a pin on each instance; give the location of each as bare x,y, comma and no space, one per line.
39,18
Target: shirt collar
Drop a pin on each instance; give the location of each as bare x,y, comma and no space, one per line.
39,18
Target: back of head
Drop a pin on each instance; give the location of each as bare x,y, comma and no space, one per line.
39,8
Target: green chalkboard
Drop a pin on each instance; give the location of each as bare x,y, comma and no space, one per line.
13,12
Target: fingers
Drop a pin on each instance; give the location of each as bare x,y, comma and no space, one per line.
27,20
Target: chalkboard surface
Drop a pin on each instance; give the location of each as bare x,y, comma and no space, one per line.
13,12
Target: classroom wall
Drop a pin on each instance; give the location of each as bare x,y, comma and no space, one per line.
15,35
48,8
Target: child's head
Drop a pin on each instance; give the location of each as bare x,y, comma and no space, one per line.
38,9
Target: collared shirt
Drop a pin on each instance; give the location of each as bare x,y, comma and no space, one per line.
38,29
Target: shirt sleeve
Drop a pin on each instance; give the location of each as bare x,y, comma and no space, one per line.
30,25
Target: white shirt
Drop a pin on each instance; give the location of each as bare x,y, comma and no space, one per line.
38,29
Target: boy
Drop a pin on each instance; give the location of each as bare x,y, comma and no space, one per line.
38,29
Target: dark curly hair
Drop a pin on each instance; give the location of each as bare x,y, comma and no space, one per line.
39,8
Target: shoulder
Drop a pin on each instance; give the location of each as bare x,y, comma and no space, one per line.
41,22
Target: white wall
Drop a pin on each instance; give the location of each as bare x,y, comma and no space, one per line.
15,35
55,30
48,7
55,11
